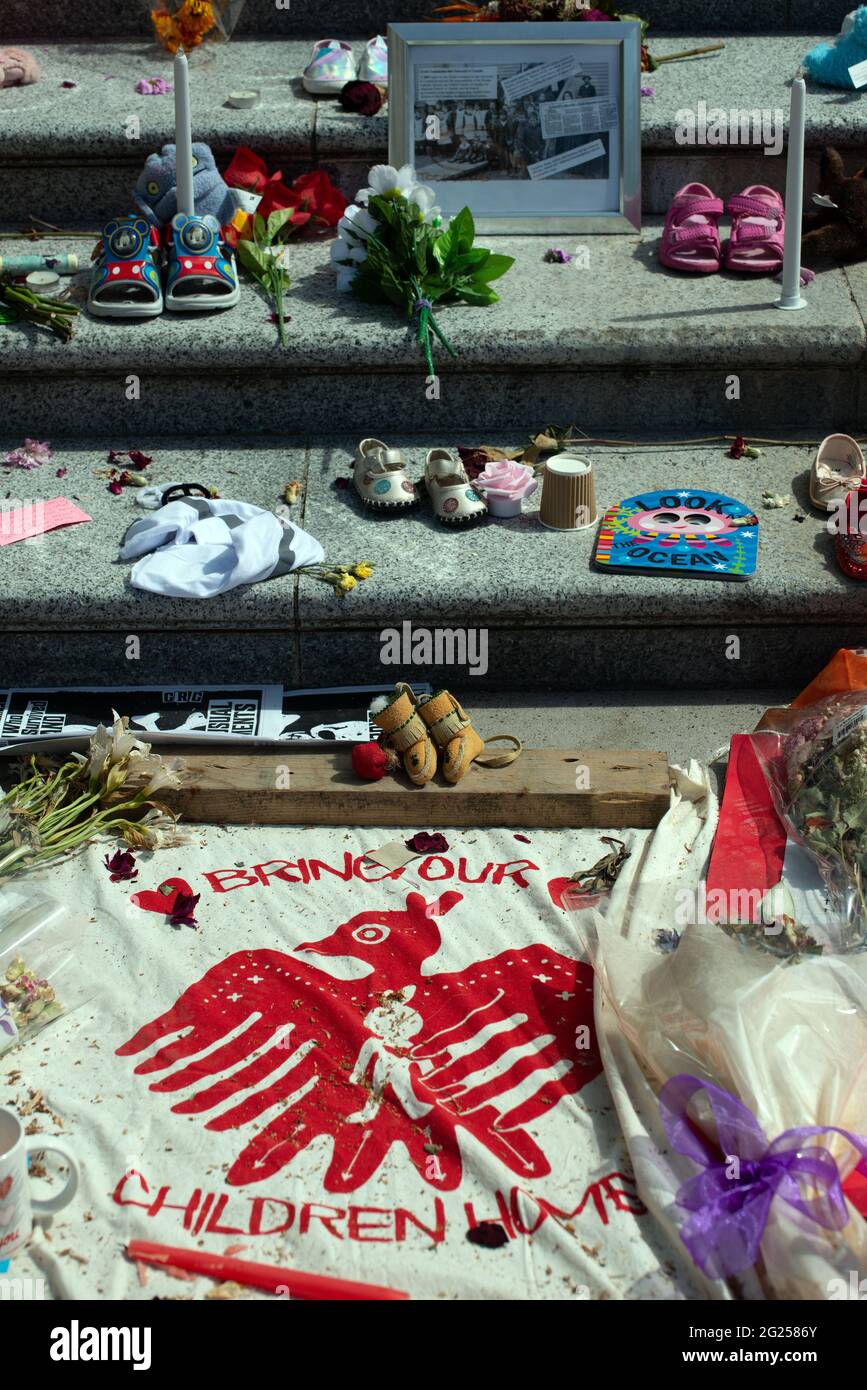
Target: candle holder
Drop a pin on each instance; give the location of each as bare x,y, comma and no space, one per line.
790,297
568,501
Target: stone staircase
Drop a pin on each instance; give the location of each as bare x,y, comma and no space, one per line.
619,347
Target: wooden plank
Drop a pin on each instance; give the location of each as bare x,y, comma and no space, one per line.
545,787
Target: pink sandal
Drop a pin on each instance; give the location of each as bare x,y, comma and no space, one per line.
690,238
756,242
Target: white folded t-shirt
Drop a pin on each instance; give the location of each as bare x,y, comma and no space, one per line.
197,547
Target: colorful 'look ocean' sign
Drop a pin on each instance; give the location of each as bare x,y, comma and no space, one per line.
691,531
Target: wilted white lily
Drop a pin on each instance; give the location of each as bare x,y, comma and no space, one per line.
123,743
155,773
100,748
56,808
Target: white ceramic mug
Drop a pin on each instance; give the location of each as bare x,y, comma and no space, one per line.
17,1206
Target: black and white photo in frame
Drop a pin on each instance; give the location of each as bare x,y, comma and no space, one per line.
534,127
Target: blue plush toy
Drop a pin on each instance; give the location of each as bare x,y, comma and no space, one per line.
829,63
156,190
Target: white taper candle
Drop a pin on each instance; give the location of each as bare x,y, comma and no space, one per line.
183,136
791,295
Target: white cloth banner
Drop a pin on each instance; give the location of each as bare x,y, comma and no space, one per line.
344,1071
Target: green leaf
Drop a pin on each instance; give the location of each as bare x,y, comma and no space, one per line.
462,230
495,266
255,261
470,260
444,248
385,210
277,221
480,295
260,230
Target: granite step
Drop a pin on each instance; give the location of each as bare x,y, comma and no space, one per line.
612,342
523,602
57,19
71,155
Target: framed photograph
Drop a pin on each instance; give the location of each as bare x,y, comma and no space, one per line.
534,127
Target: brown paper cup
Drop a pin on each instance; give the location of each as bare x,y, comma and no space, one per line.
568,494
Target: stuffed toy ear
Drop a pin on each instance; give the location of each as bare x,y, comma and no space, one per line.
829,63
833,172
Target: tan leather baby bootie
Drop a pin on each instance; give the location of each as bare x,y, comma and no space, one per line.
398,717
452,731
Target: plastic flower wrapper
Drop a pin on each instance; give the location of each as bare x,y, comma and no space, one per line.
787,1037
40,976
187,24
815,763
393,247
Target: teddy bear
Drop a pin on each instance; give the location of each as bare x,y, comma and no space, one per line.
156,190
837,227
829,63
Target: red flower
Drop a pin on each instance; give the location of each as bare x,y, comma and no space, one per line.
277,197
247,170
738,447
369,761
320,197
362,98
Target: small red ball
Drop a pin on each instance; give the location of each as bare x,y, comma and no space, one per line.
369,761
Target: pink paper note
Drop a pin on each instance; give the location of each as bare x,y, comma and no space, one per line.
21,521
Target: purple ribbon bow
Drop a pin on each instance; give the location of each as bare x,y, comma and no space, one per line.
730,1201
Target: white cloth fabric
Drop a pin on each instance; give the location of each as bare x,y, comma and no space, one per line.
198,547
353,1109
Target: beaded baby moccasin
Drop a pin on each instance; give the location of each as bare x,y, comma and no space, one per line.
405,732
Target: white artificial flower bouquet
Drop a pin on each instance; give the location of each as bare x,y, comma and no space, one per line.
393,247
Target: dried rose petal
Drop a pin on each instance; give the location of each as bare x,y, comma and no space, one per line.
424,843
489,1234
184,907
121,866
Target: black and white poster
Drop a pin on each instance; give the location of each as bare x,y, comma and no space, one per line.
263,714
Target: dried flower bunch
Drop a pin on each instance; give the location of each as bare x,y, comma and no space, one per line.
27,997
186,25
826,800
114,790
